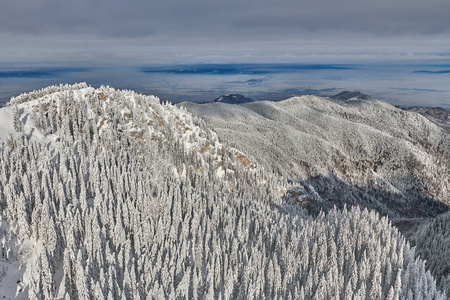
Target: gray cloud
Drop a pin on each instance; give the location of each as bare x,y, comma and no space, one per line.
368,17
205,30
419,90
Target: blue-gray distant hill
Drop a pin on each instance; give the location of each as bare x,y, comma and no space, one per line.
347,95
241,99
433,72
233,99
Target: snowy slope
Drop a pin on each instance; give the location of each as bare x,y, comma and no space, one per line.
158,121
350,146
437,115
49,116
109,194
6,123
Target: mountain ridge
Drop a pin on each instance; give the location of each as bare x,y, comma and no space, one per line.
437,115
111,194
233,99
362,143
349,95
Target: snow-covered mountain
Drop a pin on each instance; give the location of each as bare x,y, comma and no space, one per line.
348,150
74,153
438,115
109,194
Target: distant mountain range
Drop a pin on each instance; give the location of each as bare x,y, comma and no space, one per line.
241,99
437,115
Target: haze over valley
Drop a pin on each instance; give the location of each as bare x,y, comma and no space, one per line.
401,84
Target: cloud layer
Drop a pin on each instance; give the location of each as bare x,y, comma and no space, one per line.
223,31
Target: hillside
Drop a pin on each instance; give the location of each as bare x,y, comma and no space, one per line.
432,242
343,151
437,115
109,194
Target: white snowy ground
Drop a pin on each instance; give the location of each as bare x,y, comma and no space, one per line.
15,256
14,265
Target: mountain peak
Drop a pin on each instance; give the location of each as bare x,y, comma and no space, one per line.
233,99
347,95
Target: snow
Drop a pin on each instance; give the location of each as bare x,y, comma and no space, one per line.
6,123
11,286
362,143
15,266
26,109
192,137
230,191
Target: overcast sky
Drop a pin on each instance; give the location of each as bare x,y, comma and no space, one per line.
206,31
